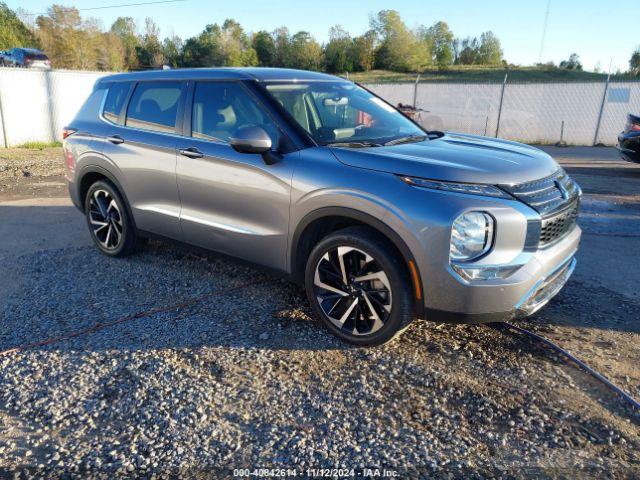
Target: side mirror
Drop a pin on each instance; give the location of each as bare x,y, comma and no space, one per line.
250,140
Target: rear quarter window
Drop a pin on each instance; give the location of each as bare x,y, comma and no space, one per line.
154,106
114,102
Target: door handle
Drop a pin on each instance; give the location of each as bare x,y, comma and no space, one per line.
115,139
191,152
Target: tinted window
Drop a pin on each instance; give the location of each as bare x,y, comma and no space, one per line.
154,105
220,108
115,100
36,56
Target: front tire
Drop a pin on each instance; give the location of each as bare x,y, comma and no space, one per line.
358,286
108,220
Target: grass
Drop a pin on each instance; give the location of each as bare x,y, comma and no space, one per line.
474,74
39,145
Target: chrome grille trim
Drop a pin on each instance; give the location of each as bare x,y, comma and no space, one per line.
546,195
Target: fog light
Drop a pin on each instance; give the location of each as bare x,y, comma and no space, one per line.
471,236
487,272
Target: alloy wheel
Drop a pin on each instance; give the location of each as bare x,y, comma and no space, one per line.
353,290
106,219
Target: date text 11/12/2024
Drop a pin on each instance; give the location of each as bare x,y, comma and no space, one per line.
316,472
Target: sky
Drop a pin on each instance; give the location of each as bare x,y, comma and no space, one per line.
594,29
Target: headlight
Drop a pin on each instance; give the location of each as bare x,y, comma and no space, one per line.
470,188
471,235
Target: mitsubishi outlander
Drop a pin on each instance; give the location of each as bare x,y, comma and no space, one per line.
318,178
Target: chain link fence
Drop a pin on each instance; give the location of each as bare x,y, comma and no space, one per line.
35,105
541,113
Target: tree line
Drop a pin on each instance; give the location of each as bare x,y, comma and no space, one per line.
73,42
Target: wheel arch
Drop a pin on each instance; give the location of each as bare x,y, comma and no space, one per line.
321,222
89,175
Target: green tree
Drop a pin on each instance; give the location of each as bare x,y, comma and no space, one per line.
572,64
149,51
282,41
304,52
440,37
339,51
399,48
125,29
111,53
69,41
172,51
14,33
265,48
468,51
489,51
634,62
363,51
216,45
204,50
235,47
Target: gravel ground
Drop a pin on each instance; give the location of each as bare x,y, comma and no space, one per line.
26,172
245,378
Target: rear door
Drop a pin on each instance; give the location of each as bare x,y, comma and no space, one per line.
232,202
140,142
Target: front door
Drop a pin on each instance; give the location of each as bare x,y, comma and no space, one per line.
232,202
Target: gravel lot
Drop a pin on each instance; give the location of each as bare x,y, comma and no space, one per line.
244,378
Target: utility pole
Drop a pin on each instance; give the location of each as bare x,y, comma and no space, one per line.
602,105
544,31
504,85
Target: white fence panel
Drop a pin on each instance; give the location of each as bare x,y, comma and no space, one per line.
37,104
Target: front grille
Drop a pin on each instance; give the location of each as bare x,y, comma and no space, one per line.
547,195
556,198
555,227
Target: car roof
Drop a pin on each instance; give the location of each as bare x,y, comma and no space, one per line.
222,73
30,50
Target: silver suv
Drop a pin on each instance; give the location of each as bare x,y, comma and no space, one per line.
318,178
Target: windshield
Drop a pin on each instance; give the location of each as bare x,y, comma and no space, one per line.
343,114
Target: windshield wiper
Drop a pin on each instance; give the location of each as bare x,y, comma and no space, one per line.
406,139
361,144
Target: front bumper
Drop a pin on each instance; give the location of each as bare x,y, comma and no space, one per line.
525,292
546,289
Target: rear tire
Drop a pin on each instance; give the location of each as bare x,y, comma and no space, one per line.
358,286
109,221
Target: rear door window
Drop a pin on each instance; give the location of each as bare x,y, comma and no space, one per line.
154,106
114,102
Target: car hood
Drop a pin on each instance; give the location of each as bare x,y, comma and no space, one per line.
455,158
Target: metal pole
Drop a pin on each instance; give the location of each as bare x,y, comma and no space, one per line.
604,99
4,127
415,91
561,142
504,84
